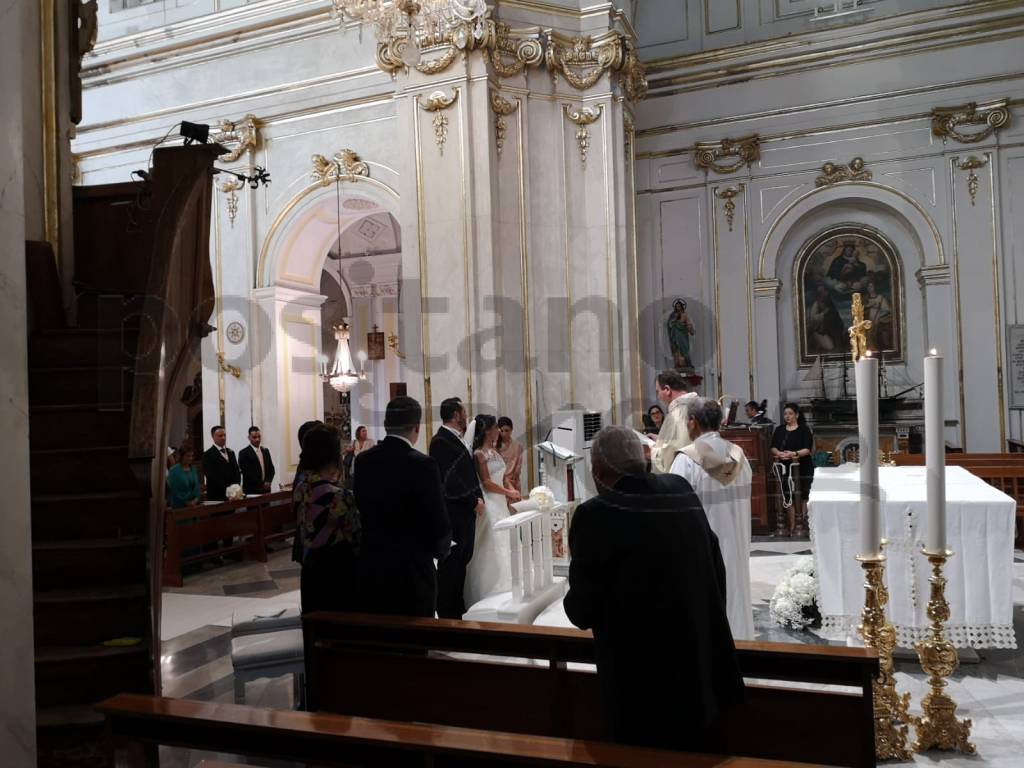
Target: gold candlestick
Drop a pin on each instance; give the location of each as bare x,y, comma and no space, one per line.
939,728
890,708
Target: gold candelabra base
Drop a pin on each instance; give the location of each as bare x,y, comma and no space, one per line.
890,708
939,728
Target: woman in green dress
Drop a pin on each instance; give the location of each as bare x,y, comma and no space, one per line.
183,488
680,329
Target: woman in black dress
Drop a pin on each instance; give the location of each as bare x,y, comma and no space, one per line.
793,442
330,526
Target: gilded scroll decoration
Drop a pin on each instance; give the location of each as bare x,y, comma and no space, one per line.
833,173
985,119
437,102
633,75
709,155
344,165
230,189
239,137
582,117
972,164
502,108
583,60
514,50
728,194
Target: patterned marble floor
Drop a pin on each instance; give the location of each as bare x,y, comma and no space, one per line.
196,650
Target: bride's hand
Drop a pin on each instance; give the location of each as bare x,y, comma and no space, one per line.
514,495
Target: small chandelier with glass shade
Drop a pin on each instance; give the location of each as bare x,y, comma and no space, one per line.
421,23
342,376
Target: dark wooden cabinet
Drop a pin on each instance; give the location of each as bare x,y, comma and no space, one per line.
756,444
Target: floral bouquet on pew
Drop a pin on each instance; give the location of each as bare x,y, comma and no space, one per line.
234,492
795,602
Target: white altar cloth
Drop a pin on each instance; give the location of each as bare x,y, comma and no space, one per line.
980,531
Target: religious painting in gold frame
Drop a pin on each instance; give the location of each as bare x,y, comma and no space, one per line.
832,266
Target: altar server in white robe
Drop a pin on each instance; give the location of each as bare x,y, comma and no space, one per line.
675,393
721,477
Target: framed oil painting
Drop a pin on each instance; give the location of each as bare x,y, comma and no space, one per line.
832,266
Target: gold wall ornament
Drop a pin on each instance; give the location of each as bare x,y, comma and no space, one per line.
633,75
514,50
393,344
582,117
985,119
889,708
728,194
244,135
502,108
708,155
972,164
939,728
344,165
225,368
583,60
437,102
859,329
833,173
230,188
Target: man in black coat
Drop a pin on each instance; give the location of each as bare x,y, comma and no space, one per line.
256,465
405,524
464,500
647,577
220,467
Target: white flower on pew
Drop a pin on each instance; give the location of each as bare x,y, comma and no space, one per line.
795,601
234,492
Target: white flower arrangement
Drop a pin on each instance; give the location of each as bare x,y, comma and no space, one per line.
795,601
543,496
234,492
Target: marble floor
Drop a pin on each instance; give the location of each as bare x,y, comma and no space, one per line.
196,648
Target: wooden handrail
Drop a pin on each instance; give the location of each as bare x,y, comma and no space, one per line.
228,506
339,740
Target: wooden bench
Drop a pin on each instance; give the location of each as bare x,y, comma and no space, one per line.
361,665
1004,471
248,525
336,740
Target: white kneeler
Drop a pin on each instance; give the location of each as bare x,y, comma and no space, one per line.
534,586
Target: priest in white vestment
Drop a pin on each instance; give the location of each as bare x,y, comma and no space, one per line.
721,477
675,393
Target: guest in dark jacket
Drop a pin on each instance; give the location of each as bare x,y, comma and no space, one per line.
330,527
256,465
648,578
298,490
464,501
405,523
220,467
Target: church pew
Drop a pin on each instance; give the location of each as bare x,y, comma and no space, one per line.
358,664
135,721
248,524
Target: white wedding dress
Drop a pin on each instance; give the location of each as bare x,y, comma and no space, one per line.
490,569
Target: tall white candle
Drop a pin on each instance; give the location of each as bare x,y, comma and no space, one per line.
866,371
935,453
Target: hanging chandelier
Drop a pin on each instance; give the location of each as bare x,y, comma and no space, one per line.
342,376
420,23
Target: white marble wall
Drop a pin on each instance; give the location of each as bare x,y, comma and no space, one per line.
958,256
17,697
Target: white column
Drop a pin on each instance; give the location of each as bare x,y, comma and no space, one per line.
517,564
940,320
767,383
17,695
537,553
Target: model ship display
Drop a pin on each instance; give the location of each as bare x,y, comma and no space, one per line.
843,408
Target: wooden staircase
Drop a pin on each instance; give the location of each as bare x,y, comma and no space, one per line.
98,403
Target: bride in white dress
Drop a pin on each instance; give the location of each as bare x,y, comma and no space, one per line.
490,569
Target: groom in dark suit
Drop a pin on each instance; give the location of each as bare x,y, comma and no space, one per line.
405,523
220,467
464,500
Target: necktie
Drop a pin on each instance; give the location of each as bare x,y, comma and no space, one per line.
224,453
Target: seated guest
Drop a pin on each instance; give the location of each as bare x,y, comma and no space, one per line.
653,420
720,475
405,522
220,467
297,491
256,465
330,527
647,577
183,480
756,411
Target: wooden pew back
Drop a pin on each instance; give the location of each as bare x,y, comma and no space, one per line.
361,665
334,740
